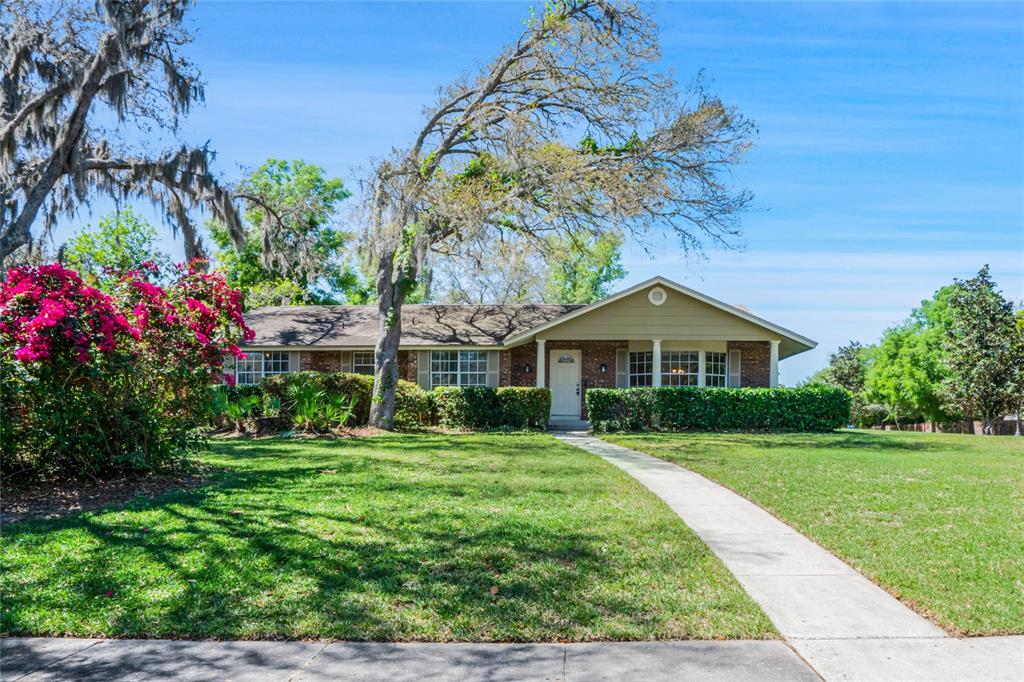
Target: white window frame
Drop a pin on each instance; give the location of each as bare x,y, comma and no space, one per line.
258,365
641,368
680,367
362,362
716,360
458,368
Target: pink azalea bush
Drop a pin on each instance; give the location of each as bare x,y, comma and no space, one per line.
96,381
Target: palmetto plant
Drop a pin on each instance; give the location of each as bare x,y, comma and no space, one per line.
307,405
338,410
218,405
237,410
271,406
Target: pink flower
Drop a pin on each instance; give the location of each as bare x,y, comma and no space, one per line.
26,354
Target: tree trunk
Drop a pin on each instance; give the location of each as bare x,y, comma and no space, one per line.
390,297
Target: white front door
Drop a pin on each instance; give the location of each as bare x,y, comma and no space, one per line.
565,383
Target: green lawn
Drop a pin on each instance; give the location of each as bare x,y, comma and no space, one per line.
938,520
412,537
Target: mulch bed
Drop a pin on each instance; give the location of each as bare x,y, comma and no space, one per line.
59,498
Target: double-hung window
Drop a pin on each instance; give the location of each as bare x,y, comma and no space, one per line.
641,368
458,368
362,362
259,364
680,367
715,369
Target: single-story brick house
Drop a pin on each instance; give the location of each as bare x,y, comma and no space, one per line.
657,333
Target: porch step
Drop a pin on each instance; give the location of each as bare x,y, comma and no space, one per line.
568,424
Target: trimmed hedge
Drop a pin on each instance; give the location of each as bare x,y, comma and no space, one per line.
690,408
467,407
483,407
524,407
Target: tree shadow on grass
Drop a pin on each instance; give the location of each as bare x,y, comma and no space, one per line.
330,544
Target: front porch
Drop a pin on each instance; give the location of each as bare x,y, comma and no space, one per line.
570,367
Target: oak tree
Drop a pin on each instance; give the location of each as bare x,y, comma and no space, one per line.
75,77
500,152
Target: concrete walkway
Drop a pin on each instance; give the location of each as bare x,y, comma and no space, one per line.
844,625
104,660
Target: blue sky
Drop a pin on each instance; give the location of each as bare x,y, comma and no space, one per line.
890,157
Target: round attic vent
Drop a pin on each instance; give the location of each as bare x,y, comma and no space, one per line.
657,296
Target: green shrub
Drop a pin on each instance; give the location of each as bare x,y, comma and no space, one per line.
811,408
414,408
620,409
467,407
524,407
483,407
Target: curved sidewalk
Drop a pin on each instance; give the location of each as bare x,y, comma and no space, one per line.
844,625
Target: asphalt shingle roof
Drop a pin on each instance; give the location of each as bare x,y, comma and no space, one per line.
422,325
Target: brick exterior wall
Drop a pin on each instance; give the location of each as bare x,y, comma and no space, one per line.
407,365
755,359
593,355
330,361
320,361
755,362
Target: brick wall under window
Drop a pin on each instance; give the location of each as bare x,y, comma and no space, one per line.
320,361
407,365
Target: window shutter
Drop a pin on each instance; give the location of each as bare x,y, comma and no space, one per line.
229,366
734,369
346,361
293,361
492,368
423,369
622,368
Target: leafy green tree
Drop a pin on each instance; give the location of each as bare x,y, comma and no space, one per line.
293,252
122,241
925,363
890,378
981,353
907,368
847,367
584,272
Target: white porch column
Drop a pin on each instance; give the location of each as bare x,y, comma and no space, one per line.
701,368
773,380
540,363
656,362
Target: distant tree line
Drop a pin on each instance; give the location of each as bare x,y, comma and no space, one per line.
960,355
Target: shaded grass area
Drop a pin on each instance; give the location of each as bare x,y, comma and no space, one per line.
938,520
412,537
